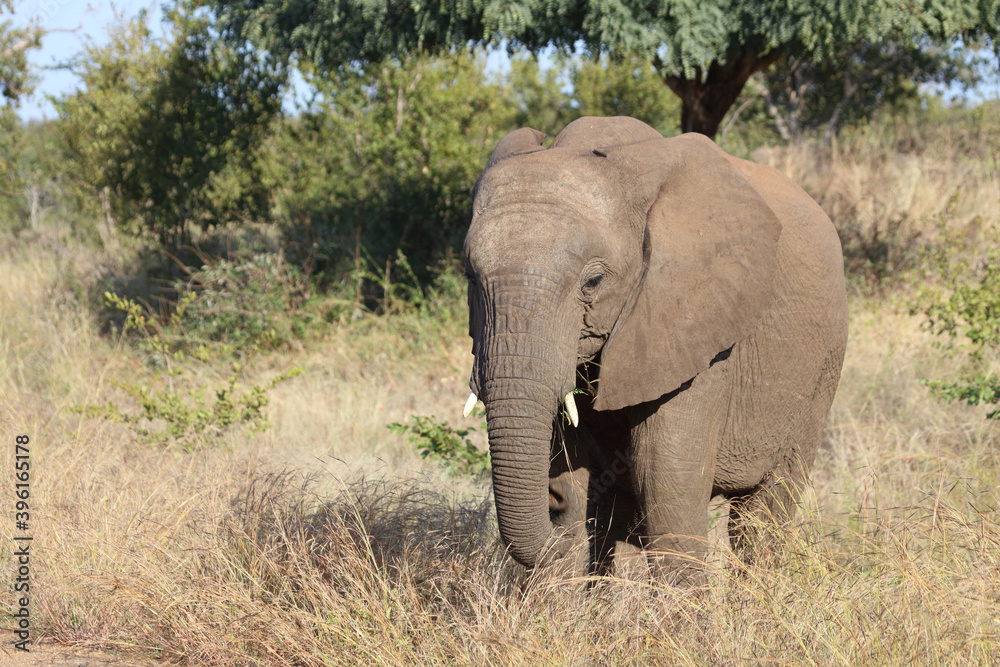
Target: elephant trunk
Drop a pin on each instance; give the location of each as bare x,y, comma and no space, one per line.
520,432
525,371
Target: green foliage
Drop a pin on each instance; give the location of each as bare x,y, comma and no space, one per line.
686,35
975,389
964,310
628,87
11,182
850,86
539,95
254,301
399,290
384,157
97,124
190,420
15,82
169,414
15,72
34,188
170,129
705,51
162,344
440,442
971,309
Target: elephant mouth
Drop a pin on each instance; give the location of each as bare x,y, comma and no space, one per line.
590,346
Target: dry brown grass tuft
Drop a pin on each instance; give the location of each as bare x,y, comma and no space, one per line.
887,204
328,541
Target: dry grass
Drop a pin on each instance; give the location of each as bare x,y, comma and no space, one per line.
887,204
327,541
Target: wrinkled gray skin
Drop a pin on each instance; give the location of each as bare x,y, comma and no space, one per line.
698,300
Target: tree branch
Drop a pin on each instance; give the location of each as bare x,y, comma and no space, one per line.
850,87
774,112
35,34
731,120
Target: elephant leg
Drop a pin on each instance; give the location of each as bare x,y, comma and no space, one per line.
602,445
674,444
756,517
612,509
569,480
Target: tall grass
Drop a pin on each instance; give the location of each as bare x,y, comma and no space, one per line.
892,186
328,541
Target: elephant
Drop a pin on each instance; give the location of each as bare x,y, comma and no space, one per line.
654,323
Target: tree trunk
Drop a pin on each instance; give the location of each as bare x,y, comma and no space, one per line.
705,103
107,230
833,126
34,195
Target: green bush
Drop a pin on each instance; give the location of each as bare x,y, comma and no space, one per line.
169,128
189,419
440,442
963,309
171,413
245,302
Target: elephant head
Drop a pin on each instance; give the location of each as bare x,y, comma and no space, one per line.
643,256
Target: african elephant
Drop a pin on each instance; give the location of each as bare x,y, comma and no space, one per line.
686,308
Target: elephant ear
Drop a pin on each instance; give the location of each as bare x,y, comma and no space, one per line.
710,249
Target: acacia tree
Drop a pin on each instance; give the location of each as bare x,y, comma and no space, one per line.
15,76
802,94
704,50
164,133
15,82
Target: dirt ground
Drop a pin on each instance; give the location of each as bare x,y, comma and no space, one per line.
56,655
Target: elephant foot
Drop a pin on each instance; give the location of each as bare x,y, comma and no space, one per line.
756,520
678,560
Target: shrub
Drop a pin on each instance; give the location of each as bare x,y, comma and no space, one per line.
440,442
168,413
242,302
964,310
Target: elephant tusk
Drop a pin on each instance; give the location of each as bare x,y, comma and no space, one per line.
574,416
469,404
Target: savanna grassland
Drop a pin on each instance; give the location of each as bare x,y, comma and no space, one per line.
328,540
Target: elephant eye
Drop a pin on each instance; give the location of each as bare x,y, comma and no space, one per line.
470,277
591,285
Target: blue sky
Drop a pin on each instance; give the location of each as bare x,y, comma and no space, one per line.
57,47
